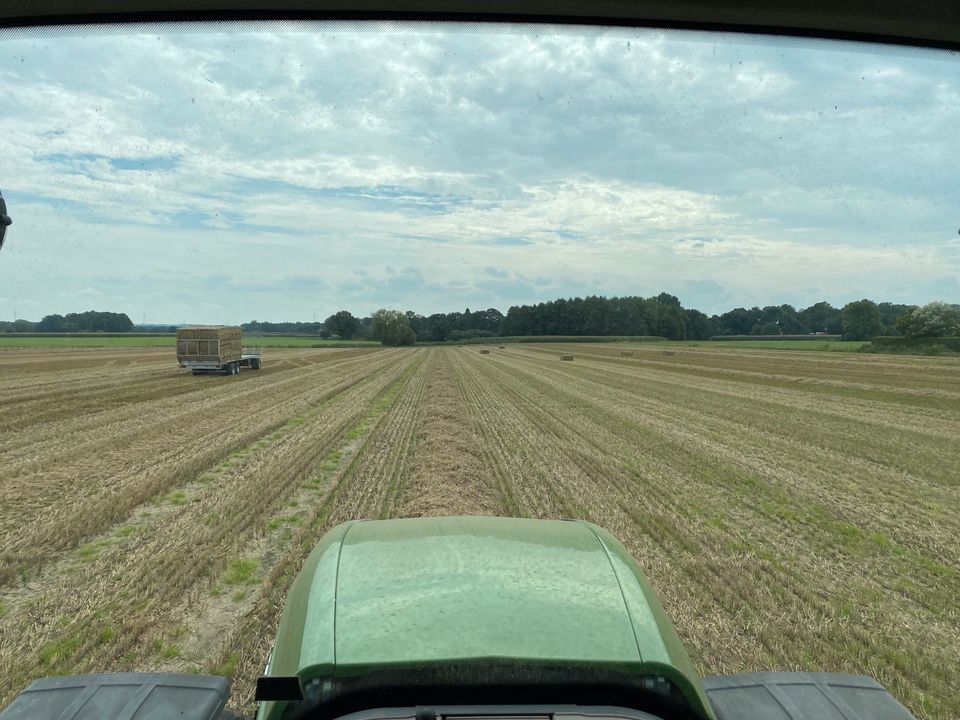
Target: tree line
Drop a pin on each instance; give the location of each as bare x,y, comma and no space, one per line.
89,321
400,327
662,315
284,328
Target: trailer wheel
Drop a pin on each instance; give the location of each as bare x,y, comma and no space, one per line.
255,364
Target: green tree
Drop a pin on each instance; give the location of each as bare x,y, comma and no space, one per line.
342,324
889,314
789,320
419,325
904,323
771,327
821,317
97,321
935,319
860,320
699,326
51,323
739,321
392,327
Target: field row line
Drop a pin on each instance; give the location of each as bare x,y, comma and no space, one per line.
370,474
208,634
136,589
574,408
920,397
33,530
176,394
803,448
895,418
44,400
813,366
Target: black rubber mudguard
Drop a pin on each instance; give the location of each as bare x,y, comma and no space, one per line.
121,696
801,696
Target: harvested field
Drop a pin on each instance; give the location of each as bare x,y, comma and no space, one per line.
794,510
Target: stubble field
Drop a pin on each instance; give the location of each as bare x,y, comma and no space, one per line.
794,511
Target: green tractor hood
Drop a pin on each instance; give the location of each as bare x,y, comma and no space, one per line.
429,610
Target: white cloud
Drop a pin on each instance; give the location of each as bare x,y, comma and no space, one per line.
575,161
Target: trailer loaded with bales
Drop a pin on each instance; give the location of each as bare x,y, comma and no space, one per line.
469,618
215,349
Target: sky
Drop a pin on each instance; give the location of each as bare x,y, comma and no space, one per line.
280,171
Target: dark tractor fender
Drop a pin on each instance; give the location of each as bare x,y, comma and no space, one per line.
112,696
801,696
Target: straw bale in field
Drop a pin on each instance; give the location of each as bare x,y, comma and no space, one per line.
210,342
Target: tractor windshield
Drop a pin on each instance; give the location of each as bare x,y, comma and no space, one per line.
268,277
